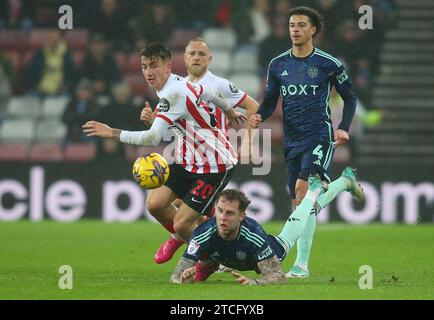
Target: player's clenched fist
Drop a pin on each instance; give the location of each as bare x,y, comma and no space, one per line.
146,115
341,137
255,120
235,117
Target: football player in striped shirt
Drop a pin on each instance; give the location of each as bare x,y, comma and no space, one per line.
205,159
197,57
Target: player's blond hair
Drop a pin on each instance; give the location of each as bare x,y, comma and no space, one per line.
197,39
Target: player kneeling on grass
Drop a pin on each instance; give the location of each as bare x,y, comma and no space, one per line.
239,242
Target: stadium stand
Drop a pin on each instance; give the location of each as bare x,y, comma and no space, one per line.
77,39
24,107
54,107
403,91
45,152
79,152
178,64
13,152
181,37
221,63
17,131
249,82
245,61
220,39
27,119
50,131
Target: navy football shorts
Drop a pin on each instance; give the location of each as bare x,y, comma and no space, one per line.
310,159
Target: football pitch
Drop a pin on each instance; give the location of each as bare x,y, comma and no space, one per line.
115,261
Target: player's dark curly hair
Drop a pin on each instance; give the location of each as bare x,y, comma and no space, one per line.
156,50
314,16
235,195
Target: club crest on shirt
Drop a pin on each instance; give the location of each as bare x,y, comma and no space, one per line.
193,247
312,72
241,255
163,105
233,87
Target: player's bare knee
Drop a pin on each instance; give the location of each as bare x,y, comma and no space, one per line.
153,205
297,201
182,228
299,195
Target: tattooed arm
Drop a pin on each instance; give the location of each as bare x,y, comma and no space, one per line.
183,265
271,270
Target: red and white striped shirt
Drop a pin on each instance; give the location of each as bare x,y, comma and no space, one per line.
228,90
202,146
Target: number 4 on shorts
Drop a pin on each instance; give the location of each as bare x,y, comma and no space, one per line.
318,152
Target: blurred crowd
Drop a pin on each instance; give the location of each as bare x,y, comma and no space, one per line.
100,88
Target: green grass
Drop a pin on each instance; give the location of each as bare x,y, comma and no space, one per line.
114,261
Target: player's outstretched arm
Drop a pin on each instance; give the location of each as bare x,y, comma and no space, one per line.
184,264
270,268
102,130
150,138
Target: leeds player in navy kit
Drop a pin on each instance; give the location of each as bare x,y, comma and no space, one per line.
303,77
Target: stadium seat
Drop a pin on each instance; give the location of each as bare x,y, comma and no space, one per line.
220,39
13,152
45,152
249,83
245,61
220,63
26,57
15,57
11,40
17,131
133,64
79,152
38,38
78,56
180,38
50,131
137,83
121,60
54,107
77,39
178,64
24,107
